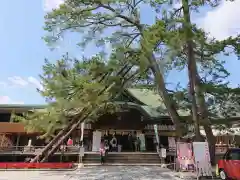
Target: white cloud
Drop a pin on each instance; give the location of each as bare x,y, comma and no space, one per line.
222,21
8,100
19,81
35,82
49,5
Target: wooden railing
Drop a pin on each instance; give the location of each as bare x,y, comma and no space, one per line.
36,149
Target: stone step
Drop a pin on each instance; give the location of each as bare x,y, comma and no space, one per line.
121,161
130,156
124,158
121,164
134,162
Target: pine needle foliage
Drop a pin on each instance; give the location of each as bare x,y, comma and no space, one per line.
72,87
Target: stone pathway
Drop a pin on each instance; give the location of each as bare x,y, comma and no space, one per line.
94,173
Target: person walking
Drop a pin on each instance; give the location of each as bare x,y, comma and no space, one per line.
102,151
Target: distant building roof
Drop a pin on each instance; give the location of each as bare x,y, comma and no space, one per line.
19,108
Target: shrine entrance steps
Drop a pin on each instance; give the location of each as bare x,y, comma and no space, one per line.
123,158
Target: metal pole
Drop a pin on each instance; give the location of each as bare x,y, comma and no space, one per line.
18,140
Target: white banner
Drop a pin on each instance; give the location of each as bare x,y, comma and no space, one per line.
202,158
82,131
96,140
142,139
163,153
185,156
156,132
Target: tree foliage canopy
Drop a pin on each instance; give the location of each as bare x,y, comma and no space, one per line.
73,87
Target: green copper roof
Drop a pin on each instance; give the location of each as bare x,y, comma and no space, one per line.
153,102
146,96
145,110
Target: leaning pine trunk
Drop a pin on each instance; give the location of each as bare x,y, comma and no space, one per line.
162,91
53,141
58,144
168,101
197,84
61,133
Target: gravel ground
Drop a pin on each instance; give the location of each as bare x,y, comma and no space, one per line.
94,173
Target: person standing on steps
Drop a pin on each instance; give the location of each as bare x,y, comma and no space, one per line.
120,142
106,145
107,139
102,152
138,144
135,141
69,144
130,141
113,143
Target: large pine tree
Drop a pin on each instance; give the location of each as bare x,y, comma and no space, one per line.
172,38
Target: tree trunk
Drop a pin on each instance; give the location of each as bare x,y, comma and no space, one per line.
191,70
205,121
58,144
192,81
197,83
54,140
168,101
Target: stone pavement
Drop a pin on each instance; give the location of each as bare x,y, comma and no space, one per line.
94,173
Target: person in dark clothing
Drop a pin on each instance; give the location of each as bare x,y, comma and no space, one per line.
120,142
134,139
106,147
130,141
106,136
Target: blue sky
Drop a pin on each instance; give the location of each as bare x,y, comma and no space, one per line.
23,51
